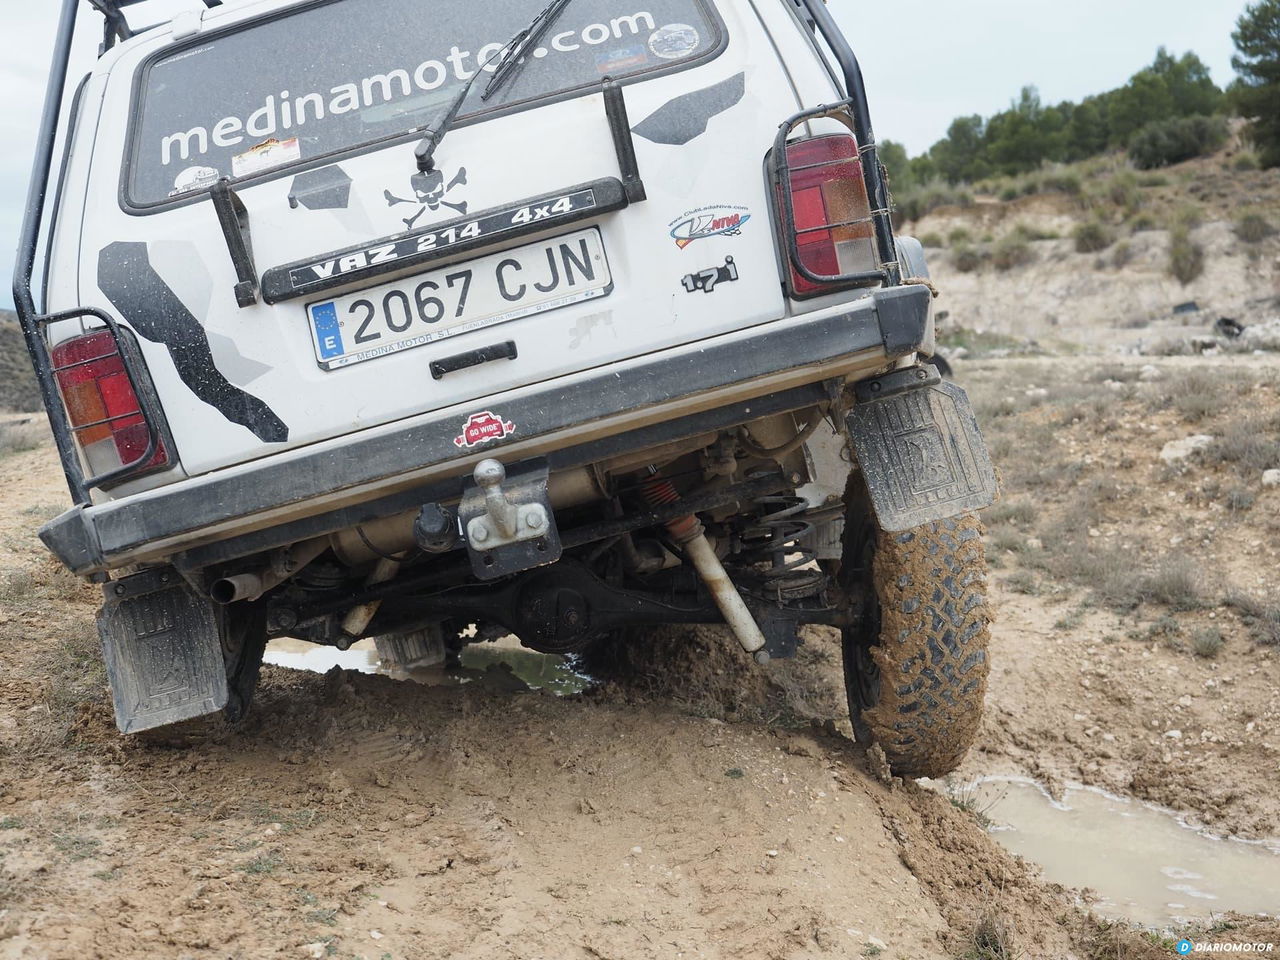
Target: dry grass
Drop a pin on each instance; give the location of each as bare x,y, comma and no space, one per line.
1261,617
1194,394
992,939
1206,642
75,676
28,587
1016,510
1249,443
19,437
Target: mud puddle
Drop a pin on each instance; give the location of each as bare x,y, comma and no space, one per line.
503,664
1142,862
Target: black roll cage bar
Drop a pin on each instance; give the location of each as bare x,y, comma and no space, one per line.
116,27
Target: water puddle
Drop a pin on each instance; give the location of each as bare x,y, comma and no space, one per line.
504,665
1143,863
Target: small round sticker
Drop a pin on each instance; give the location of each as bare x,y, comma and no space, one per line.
193,178
674,41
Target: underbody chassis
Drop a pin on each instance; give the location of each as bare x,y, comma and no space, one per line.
733,514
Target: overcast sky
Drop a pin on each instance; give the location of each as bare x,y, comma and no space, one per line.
925,62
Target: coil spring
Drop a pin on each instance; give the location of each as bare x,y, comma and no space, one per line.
774,536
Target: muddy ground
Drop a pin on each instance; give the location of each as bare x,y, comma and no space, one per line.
712,810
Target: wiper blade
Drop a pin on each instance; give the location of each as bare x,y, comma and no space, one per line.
510,56
521,43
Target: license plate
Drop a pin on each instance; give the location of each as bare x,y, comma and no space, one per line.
457,299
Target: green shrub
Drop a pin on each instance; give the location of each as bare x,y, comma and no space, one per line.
1175,582
967,258
1239,499
1036,233
958,237
1246,160
1262,618
933,240
1123,191
1249,443
1092,236
1253,228
1012,250
1009,194
1142,222
1166,142
1206,642
1062,181
1122,255
917,201
1186,257
1188,216
1153,180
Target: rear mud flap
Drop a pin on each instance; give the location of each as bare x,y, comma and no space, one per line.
921,453
163,652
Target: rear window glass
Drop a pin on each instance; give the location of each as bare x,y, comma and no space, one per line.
330,77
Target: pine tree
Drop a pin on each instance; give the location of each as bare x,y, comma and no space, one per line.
1257,94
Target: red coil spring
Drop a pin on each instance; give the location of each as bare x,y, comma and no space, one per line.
659,492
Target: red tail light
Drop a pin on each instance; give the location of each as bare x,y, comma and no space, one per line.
833,229
106,416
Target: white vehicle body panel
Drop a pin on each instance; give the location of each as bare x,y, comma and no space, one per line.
266,350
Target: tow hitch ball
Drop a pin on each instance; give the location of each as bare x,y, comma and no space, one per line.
688,532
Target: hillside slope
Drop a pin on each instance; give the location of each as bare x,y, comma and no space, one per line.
18,390
1090,260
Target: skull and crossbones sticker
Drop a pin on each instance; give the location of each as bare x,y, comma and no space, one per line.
429,192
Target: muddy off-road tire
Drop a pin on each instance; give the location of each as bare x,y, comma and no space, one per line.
916,669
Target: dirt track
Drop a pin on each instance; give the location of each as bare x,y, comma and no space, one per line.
355,816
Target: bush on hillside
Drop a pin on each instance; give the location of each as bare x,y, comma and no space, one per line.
1092,236
1012,250
18,389
966,258
1253,228
1166,142
1186,257
916,202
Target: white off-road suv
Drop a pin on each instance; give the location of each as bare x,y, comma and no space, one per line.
439,322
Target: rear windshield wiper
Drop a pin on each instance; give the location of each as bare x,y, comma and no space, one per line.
510,56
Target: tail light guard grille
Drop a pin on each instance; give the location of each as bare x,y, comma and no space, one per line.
98,393
855,114
833,205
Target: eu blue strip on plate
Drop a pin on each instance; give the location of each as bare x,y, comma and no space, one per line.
328,333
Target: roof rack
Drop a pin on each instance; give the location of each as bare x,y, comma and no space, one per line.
116,24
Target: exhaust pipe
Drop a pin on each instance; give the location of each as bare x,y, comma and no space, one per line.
284,564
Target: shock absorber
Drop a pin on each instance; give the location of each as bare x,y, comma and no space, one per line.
688,532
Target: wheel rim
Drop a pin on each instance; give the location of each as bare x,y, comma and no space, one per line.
861,672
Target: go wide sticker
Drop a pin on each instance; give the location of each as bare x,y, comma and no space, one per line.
483,427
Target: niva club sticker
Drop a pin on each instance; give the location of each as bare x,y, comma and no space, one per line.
713,221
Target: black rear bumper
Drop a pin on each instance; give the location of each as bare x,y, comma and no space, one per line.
336,484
